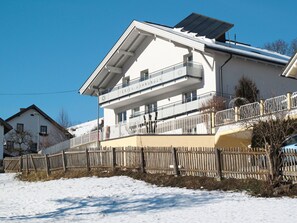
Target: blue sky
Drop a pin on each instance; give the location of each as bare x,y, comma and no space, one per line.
49,46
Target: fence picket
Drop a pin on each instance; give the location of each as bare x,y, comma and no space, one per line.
211,162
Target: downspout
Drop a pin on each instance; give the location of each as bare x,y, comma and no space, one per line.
221,74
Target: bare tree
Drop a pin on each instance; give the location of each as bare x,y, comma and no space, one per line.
279,46
22,139
282,47
270,134
293,47
216,103
63,119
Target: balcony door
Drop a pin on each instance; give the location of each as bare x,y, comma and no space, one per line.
188,62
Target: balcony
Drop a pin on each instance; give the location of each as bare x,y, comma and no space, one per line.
181,108
172,79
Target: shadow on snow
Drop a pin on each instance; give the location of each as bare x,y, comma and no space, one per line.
102,206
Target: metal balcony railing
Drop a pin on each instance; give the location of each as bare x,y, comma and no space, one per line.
162,76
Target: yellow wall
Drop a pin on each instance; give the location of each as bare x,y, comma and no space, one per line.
227,141
162,140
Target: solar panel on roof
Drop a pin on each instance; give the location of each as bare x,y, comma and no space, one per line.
204,26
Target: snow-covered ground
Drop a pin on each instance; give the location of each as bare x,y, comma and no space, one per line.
121,199
84,128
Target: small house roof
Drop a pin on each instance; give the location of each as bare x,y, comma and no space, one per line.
7,127
34,107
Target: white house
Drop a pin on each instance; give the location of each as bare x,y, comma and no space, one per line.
4,128
171,72
44,131
291,68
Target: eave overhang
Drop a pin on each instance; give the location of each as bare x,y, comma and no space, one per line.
291,68
126,47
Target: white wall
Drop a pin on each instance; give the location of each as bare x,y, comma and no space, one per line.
1,141
31,125
266,76
158,55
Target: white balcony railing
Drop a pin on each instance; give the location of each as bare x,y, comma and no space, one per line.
198,124
160,77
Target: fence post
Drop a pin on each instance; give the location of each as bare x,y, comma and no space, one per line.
142,161
175,162
21,164
27,165
237,115
113,158
289,101
87,160
46,164
218,164
262,107
64,161
212,122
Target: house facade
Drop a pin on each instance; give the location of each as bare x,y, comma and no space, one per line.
155,74
34,130
4,128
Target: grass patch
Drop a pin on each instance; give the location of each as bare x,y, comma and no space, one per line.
251,186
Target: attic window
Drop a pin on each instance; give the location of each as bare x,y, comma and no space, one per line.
20,127
43,130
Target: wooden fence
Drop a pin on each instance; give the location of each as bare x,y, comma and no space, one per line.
228,163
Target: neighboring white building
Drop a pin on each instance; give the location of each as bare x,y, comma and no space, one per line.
291,68
174,71
4,128
43,129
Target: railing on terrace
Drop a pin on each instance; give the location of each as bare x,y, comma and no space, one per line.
225,117
275,104
198,103
88,138
198,124
249,110
161,76
282,103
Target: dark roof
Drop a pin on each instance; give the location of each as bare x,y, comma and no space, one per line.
7,127
34,107
204,26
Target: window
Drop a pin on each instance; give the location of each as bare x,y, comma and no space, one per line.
135,112
126,81
149,108
20,127
122,117
190,96
43,130
144,75
9,145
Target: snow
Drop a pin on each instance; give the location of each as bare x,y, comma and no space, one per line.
84,128
229,46
122,199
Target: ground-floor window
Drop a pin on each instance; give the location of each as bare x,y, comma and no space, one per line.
190,96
